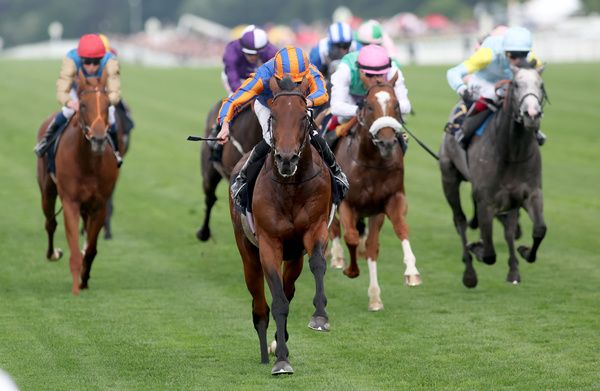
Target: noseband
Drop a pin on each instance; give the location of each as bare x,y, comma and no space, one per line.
381,122
517,115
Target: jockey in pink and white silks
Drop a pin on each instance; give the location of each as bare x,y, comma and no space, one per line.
487,66
348,91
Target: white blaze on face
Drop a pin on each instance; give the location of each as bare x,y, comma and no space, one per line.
383,97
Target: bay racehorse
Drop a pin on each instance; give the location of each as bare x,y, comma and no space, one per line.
245,132
291,203
504,167
373,160
86,173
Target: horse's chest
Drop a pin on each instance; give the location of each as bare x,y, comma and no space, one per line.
372,197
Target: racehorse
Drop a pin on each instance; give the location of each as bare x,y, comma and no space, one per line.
505,171
373,160
291,204
245,133
86,173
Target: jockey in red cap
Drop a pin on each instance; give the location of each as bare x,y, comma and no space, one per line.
92,59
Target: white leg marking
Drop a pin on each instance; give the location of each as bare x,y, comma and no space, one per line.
337,254
375,303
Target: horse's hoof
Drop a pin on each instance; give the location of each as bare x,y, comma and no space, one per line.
513,278
351,273
56,255
282,368
107,235
470,281
203,234
318,323
83,285
375,306
337,263
75,291
489,259
526,253
412,280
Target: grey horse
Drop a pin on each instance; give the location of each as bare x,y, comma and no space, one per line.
504,167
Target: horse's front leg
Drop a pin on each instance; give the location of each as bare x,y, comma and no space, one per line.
315,241
510,229
372,253
535,208
348,218
211,179
72,215
484,249
95,221
109,213
396,210
271,254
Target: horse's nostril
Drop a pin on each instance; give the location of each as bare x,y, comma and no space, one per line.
295,159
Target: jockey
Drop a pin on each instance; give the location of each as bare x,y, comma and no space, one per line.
241,57
338,43
288,62
91,57
348,90
489,65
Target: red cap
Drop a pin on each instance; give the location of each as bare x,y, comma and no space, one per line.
91,46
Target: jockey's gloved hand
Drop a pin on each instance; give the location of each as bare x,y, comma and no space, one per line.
464,93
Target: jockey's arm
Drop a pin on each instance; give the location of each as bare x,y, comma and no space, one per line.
233,77
113,82
478,60
68,72
340,93
315,57
248,90
401,91
318,92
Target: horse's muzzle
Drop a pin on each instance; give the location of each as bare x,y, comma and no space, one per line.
98,144
532,122
287,163
386,147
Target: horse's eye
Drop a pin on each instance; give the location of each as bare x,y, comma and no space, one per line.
82,108
369,108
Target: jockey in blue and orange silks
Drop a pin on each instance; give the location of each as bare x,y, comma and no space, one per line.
289,62
489,65
92,59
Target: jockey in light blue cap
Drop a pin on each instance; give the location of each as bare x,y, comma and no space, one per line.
338,43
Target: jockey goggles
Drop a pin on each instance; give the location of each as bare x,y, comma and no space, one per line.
91,61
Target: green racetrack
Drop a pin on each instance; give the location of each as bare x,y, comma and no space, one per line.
166,312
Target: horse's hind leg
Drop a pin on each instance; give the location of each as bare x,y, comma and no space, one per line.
451,186
348,221
210,182
94,223
109,212
49,194
535,208
337,252
510,228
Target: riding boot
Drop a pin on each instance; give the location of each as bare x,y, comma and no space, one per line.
258,153
216,149
329,158
470,125
114,140
540,137
57,123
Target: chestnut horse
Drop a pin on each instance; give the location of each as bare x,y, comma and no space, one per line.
373,161
245,133
86,173
292,200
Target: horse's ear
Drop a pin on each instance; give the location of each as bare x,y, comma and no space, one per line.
274,85
82,80
304,85
103,77
394,79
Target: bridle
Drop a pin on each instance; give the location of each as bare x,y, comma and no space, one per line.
307,117
517,114
381,122
97,90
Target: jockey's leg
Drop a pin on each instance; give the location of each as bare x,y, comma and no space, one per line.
329,158
57,123
258,154
114,137
475,117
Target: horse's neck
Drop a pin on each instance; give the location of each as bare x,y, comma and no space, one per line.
512,141
79,147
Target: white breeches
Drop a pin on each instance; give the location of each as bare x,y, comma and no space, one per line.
479,87
263,114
